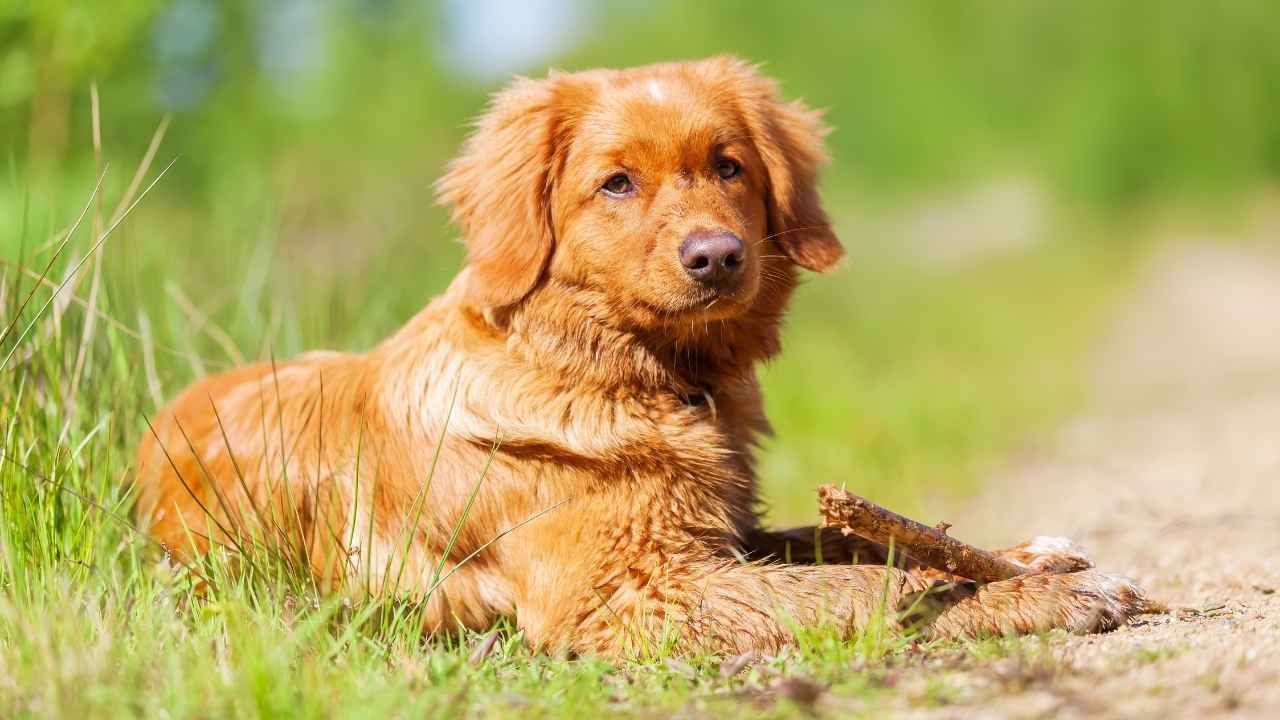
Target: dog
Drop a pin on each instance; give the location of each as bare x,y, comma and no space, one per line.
565,437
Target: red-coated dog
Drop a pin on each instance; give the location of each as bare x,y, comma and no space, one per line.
633,239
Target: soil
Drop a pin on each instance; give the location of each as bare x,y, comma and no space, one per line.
1172,477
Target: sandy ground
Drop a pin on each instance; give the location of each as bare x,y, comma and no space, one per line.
1171,477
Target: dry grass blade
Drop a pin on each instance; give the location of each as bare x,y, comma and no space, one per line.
737,663
44,274
204,509
200,322
86,336
149,360
483,648
484,546
76,268
139,174
125,206
108,319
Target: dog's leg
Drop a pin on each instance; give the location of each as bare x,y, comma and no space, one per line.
731,608
1082,602
726,607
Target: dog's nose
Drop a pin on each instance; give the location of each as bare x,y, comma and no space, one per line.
712,256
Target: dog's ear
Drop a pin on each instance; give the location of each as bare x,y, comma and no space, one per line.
789,138
499,187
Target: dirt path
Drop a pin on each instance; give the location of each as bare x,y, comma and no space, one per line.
1173,478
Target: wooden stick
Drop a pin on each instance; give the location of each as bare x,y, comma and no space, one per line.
932,546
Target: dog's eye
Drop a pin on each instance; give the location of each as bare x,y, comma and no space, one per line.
619,184
727,168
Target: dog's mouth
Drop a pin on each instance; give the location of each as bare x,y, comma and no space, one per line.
675,298
717,303
698,306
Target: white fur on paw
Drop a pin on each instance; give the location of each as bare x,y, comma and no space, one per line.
1048,553
1059,554
1114,599
1044,544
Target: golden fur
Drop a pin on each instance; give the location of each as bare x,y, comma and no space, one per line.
584,389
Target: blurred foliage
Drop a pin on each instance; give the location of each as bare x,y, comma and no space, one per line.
51,44
1111,103
326,122
300,214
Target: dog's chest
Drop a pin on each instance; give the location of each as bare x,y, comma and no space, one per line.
695,474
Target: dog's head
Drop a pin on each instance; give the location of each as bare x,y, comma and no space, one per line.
679,191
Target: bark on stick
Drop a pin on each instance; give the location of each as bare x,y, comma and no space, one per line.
855,515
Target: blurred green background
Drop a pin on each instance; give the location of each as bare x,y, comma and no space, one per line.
995,164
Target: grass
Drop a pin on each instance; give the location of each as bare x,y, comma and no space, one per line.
906,383
295,219
897,378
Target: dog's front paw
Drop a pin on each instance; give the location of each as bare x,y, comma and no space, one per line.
1104,602
1086,601
1048,554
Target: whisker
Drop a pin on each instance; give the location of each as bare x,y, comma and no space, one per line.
789,230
